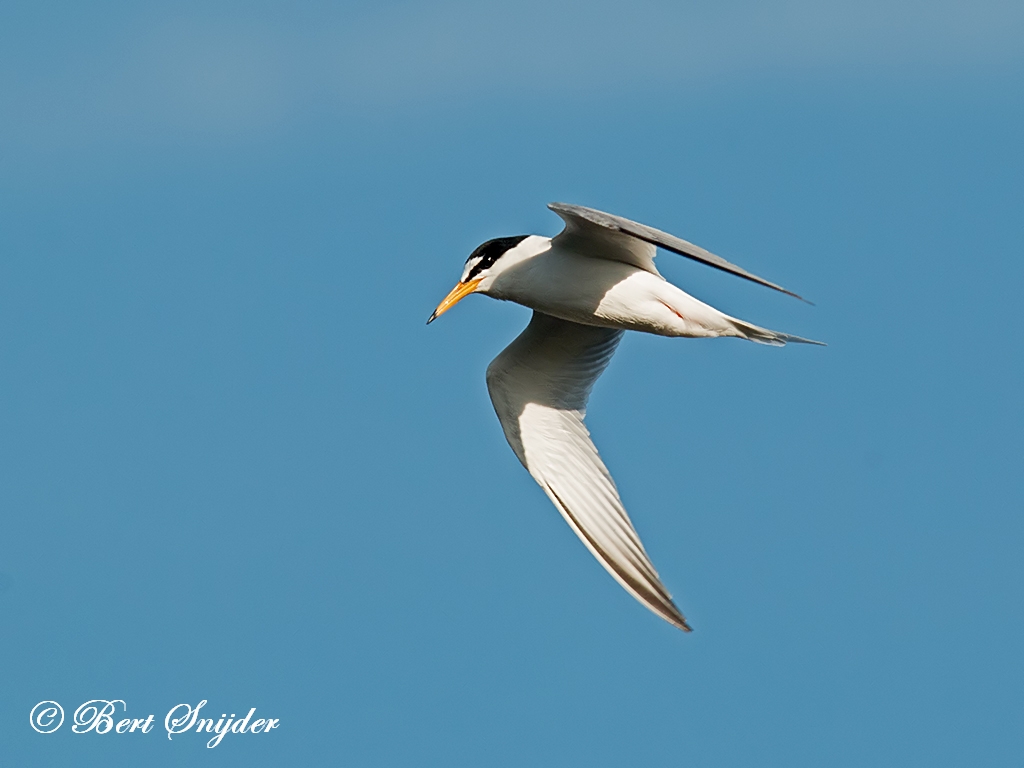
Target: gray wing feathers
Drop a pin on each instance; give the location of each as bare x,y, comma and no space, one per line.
539,386
594,232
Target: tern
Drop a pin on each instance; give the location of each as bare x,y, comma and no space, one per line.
586,286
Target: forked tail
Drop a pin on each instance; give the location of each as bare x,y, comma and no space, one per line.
772,338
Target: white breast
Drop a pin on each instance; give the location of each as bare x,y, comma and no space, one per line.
562,284
604,293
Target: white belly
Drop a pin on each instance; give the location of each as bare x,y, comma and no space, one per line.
594,291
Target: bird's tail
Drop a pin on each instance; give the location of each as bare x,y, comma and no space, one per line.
772,338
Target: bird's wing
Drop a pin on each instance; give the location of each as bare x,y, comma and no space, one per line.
595,233
539,386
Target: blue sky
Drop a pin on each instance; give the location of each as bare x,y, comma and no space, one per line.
237,466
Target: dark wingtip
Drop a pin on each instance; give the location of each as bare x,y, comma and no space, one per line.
432,318
789,293
805,301
678,620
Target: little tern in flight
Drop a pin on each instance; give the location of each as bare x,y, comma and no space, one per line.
586,286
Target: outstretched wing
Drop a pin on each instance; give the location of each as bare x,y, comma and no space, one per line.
596,233
539,386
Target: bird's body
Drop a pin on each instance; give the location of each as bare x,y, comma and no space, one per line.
571,286
587,286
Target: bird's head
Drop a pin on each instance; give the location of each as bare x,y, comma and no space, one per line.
483,266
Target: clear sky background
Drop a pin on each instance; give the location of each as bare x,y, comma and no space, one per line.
235,465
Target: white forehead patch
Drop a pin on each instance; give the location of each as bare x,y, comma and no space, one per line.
472,262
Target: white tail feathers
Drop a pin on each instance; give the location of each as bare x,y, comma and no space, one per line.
771,338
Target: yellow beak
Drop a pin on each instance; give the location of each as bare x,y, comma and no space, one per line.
458,293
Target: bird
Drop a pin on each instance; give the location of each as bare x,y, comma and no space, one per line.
586,286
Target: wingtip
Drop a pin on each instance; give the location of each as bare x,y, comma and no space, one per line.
790,293
805,301
676,619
